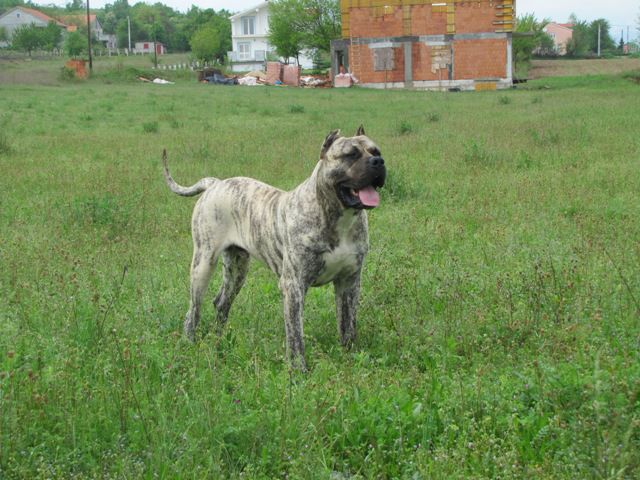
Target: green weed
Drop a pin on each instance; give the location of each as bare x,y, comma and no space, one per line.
296,108
150,127
405,127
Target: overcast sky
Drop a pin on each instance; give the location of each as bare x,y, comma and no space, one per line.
620,13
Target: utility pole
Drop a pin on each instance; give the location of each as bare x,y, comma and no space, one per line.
89,38
155,47
129,31
598,39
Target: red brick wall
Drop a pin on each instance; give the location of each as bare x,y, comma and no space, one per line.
366,24
422,64
426,22
366,73
472,17
479,59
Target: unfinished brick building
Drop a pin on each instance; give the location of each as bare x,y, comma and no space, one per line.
429,44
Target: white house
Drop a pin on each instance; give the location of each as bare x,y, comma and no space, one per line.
21,16
250,40
74,22
147,47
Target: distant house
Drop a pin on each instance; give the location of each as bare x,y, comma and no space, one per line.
21,16
148,47
561,33
250,40
75,22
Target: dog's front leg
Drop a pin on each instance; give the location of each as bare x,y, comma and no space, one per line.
347,290
293,293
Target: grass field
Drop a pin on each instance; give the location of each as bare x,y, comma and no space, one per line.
499,325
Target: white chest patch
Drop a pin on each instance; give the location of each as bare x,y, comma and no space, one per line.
344,258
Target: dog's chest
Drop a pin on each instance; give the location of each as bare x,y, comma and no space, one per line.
345,258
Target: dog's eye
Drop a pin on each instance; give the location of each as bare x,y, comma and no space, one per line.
375,152
353,153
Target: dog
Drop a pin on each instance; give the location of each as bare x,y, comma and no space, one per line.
310,236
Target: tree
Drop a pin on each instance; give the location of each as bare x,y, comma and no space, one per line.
74,6
317,22
51,36
606,42
27,38
7,4
4,36
286,40
584,40
75,44
578,45
205,42
529,36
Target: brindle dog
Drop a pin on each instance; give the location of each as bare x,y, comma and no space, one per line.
310,236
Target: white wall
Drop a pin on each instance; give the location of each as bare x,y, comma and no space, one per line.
17,18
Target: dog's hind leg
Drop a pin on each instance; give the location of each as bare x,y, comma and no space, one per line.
202,264
236,265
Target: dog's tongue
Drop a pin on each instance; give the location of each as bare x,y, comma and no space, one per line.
369,197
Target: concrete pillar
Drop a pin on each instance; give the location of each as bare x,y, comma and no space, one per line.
408,65
509,71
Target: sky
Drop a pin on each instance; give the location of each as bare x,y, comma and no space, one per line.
620,13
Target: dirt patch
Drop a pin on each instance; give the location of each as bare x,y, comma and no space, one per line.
560,68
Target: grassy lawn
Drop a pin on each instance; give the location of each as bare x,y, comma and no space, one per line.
499,325
17,68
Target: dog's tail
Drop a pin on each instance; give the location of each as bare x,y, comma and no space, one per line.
191,191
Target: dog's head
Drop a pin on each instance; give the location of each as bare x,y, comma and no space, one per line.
354,167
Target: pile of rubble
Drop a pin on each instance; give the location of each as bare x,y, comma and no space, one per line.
276,74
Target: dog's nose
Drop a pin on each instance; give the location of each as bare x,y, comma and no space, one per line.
376,162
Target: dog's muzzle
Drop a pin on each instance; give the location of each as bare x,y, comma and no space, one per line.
363,194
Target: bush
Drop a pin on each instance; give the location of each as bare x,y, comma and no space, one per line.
67,74
75,44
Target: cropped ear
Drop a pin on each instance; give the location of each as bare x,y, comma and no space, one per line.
332,137
360,131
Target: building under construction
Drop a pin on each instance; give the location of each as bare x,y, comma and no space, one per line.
426,44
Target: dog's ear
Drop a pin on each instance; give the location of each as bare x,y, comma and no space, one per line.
360,131
332,137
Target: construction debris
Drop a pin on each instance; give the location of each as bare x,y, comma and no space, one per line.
314,81
344,80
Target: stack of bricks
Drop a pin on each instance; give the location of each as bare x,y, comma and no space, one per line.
291,75
274,72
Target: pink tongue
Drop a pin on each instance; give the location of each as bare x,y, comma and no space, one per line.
369,197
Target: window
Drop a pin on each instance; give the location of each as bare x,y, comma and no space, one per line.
383,59
248,25
244,51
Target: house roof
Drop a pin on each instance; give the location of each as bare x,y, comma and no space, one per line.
564,25
250,10
35,13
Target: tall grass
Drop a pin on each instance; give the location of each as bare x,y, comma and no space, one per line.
498,323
